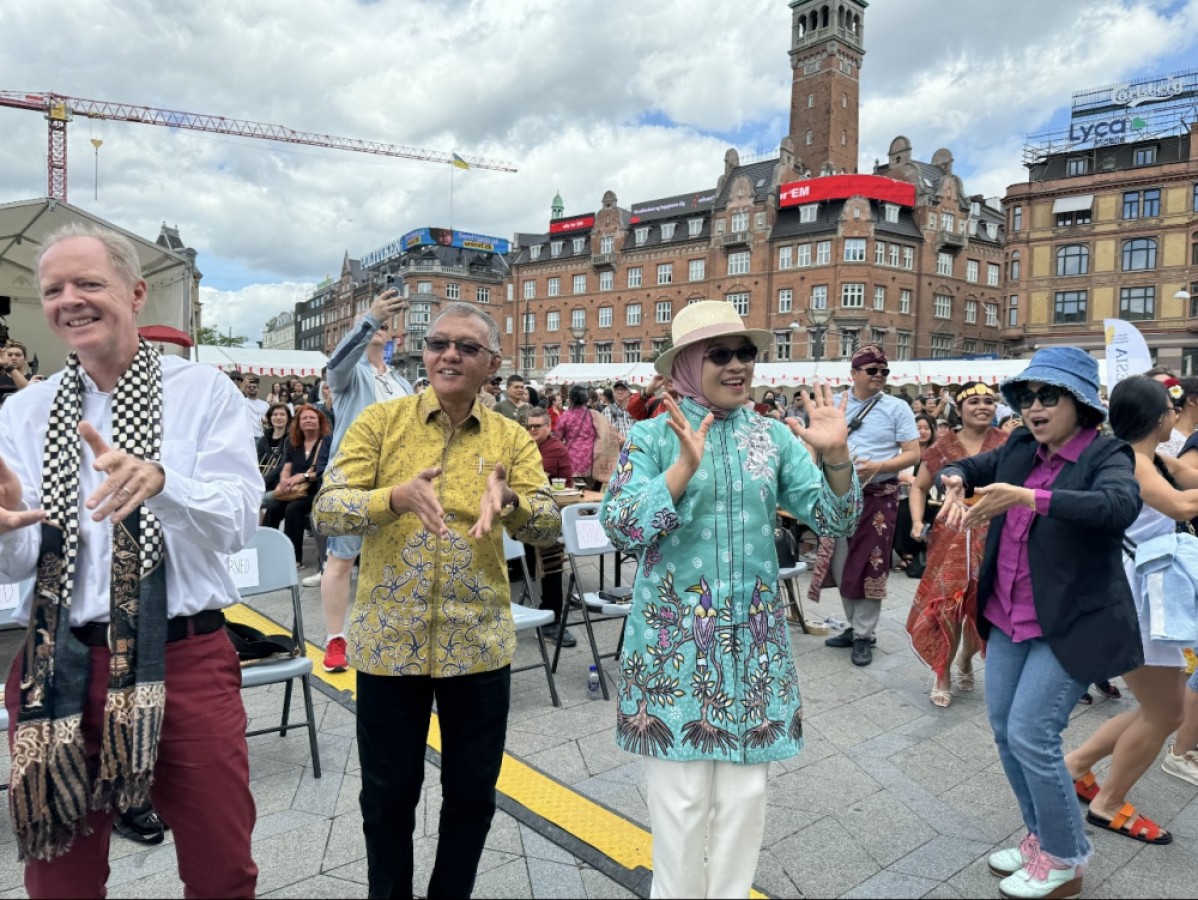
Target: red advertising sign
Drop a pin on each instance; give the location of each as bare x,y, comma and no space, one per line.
578,223
841,187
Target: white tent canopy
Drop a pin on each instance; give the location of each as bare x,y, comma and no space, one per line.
268,363
25,224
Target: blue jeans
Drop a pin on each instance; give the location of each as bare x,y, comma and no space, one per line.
1029,698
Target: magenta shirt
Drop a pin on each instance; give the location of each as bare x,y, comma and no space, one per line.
1010,607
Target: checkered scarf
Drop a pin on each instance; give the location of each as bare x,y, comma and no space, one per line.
52,788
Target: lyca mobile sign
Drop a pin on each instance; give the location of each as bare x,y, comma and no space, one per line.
1100,132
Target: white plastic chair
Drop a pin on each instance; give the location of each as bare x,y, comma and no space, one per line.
527,616
276,572
593,606
794,595
513,551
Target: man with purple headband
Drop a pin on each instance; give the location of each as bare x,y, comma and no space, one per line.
883,441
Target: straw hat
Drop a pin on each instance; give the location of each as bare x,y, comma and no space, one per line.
705,320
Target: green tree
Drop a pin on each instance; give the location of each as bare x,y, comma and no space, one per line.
664,347
210,336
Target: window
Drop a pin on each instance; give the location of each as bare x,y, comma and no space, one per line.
719,226
658,346
1077,165
1131,205
1136,303
530,323
879,253
578,318
810,101
1013,311
607,244
482,294
943,306
969,346
1194,199
632,351
944,264
819,296
580,284
759,220
739,222
971,271
785,257
424,287
823,253
603,352
634,277
553,321
947,222
905,302
555,249
664,312
804,255
1077,217
992,315
605,317
1070,306
1073,259
854,250
809,137
782,346
942,345
554,286
1144,156
530,290
852,296
902,343
528,356
553,355
992,273
579,244
891,212
1014,268
849,342
1139,254
971,312
740,302
578,352
508,325
694,227
641,235
607,280
894,255
696,269
908,258
738,263
665,273
632,314
879,298
785,300
1017,218
808,212
667,231
534,252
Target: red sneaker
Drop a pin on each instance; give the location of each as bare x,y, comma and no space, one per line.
334,656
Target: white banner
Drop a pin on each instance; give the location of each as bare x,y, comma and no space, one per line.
1126,351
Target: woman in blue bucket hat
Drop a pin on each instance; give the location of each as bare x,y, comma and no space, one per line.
1053,603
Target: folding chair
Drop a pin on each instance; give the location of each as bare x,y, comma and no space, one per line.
604,602
527,616
513,551
276,572
794,596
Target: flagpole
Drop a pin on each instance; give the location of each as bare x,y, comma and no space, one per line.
451,168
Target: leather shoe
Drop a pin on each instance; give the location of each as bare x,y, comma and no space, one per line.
844,639
568,640
862,654
141,824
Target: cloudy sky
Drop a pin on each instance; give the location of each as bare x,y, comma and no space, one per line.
582,96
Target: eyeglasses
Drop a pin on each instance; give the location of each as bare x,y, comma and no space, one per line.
721,356
466,348
1049,395
536,426
874,371
384,327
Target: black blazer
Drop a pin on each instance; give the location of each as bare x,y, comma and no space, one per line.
1083,600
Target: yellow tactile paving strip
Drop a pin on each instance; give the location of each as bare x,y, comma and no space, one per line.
620,840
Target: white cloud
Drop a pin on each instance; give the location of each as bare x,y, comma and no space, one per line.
244,311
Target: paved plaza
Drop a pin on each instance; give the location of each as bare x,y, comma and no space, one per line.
890,798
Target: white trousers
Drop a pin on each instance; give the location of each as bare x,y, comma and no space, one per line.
705,809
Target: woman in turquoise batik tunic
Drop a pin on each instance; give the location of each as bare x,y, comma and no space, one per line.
707,688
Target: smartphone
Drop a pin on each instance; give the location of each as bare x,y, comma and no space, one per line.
397,282
927,529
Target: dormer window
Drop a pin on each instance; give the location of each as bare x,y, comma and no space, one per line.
579,243
667,231
808,212
534,252
892,212
992,231
555,249
642,235
694,226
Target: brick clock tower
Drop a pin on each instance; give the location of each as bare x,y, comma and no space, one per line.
827,44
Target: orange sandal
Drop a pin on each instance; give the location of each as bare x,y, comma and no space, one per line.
1086,787
1129,823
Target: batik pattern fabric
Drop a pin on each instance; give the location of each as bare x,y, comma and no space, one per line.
706,671
428,605
946,603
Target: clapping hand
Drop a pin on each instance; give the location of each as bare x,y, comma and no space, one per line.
954,508
10,498
691,443
130,482
495,498
826,429
420,497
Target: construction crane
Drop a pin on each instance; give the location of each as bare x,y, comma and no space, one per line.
60,110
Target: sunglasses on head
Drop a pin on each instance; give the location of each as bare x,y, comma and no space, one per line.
1048,395
721,356
874,371
466,348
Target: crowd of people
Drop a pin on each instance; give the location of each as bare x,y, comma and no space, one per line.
1050,529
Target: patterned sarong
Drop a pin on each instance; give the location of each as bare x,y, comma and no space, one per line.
868,563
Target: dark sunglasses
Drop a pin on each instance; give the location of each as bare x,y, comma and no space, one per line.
721,356
1048,395
466,348
536,426
874,371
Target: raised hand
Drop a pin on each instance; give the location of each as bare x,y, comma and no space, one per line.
954,508
130,482
418,496
692,443
11,493
495,497
826,429
387,303
996,500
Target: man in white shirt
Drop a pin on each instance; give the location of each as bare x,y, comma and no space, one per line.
257,407
122,496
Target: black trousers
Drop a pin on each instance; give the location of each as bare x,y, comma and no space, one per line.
294,516
393,720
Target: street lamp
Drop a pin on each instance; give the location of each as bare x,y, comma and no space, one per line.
821,321
580,333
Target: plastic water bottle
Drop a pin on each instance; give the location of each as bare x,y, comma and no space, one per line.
594,690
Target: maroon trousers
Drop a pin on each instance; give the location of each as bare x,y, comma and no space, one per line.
201,782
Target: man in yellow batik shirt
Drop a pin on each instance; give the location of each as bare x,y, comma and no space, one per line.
430,481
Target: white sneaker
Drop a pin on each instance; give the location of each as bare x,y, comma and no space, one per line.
1007,862
1042,879
1184,767
311,580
